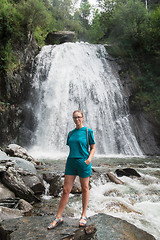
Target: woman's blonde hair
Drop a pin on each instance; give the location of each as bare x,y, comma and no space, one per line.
79,112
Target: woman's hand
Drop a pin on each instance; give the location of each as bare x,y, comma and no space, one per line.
92,151
87,161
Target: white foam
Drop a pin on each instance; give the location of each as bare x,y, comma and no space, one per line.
73,76
132,201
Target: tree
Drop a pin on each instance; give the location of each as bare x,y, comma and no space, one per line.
96,32
85,9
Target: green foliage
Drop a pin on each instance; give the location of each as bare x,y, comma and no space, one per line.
155,29
95,33
8,57
36,18
134,34
129,27
61,12
85,9
10,20
20,17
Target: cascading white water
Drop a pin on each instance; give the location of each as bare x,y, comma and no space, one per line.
74,76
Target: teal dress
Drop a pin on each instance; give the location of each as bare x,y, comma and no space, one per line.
77,142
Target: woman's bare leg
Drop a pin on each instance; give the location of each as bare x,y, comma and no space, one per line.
67,187
85,195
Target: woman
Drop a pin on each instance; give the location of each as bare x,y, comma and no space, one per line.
78,164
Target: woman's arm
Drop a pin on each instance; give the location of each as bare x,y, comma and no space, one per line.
91,154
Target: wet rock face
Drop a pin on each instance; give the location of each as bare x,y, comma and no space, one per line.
15,88
10,121
146,132
144,125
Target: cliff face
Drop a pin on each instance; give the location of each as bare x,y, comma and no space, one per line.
144,124
15,117
15,87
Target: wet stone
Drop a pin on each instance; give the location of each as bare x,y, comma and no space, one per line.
99,227
32,228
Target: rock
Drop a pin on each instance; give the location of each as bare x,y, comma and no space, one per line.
3,156
60,37
5,162
9,213
108,228
55,186
15,204
55,183
35,183
15,229
85,233
23,166
5,192
76,186
98,175
48,176
18,151
2,169
25,207
27,177
12,179
114,179
127,172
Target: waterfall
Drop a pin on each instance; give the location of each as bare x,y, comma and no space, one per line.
74,76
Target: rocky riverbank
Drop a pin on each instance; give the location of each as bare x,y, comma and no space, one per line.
100,227
23,181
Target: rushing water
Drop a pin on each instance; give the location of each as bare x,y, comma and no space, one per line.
137,201
74,76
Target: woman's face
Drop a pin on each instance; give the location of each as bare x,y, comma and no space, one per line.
78,119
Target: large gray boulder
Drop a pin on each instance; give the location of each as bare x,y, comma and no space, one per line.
9,213
15,150
111,228
25,171
24,166
108,228
23,209
35,183
12,179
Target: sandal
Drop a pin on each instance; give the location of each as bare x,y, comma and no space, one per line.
82,223
58,222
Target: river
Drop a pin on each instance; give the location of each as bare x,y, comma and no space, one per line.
137,201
